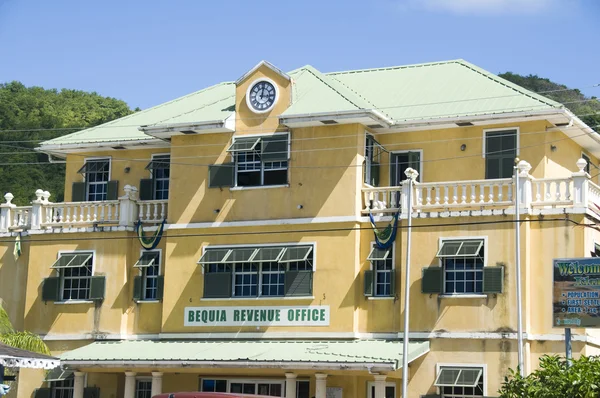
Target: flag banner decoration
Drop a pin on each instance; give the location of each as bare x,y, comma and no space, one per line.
384,238
150,242
17,249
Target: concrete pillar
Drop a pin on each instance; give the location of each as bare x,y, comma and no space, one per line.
290,385
156,383
321,385
78,384
129,385
379,386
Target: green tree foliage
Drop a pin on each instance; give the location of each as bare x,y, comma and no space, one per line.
30,109
588,108
554,379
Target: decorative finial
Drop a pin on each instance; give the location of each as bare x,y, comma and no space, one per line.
581,163
9,197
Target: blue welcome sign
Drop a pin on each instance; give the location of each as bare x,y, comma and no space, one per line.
576,292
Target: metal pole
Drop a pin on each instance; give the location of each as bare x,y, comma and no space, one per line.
407,293
1,374
568,350
518,271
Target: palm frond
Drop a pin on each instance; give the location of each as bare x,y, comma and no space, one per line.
5,323
25,341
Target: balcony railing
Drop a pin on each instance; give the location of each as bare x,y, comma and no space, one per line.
576,194
43,214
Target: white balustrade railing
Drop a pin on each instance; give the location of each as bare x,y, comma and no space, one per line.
152,210
20,217
594,194
76,213
382,199
552,192
463,194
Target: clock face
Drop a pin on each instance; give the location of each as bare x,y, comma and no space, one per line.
261,96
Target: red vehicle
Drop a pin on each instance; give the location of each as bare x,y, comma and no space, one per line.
208,395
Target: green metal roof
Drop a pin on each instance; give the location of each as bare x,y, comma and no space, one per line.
404,93
356,352
212,103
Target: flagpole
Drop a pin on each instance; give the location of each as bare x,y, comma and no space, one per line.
518,271
411,174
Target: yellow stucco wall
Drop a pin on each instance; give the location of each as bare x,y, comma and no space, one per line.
13,274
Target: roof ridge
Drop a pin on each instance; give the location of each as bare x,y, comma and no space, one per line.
395,67
510,85
312,70
76,133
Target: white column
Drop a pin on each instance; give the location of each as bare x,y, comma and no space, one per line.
580,186
321,385
129,385
36,217
290,385
128,209
78,384
6,213
156,383
379,386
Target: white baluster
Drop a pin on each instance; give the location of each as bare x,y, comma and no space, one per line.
455,196
568,190
464,194
445,194
164,205
102,208
473,193
428,189
491,193
437,195
67,213
81,208
558,185
141,215
155,205
481,194
147,212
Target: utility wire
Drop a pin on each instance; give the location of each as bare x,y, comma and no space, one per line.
318,230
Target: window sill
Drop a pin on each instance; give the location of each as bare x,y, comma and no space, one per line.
259,298
381,298
74,302
463,296
259,187
147,301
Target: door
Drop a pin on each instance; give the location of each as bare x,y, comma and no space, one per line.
401,161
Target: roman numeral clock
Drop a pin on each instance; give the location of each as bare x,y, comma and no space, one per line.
262,95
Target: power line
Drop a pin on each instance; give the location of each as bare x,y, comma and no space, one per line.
110,123
250,233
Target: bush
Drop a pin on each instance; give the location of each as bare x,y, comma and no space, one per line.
554,379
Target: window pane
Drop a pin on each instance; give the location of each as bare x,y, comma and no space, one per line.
276,177
268,254
449,248
378,254
221,386
470,248
447,377
296,253
303,389
208,385
248,179
241,255
213,256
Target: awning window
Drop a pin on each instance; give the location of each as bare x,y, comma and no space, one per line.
295,253
92,166
58,374
458,377
463,248
147,259
243,145
241,255
596,251
214,256
378,254
268,254
72,260
158,163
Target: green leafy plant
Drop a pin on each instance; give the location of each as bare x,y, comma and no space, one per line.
555,379
20,339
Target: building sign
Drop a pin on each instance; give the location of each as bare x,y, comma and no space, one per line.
576,290
317,315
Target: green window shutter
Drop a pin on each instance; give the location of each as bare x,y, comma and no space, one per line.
91,392
137,288
375,174
97,287
78,192
298,283
369,283
275,148
217,284
160,287
431,281
112,190
146,189
221,175
493,279
42,393
51,289
393,282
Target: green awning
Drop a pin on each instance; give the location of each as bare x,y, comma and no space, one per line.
71,260
378,254
458,377
380,355
147,259
94,165
58,374
460,248
244,145
159,163
295,253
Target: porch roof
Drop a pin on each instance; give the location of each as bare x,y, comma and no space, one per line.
353,355
16,358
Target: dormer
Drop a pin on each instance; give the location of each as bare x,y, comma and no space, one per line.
261,95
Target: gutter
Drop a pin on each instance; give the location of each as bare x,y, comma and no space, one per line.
95,145
175,127
368,366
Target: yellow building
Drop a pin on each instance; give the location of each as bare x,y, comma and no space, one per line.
259,271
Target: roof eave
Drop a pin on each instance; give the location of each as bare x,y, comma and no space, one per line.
168,130
341,117
357,366
101,145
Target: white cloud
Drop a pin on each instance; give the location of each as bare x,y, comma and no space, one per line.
485,6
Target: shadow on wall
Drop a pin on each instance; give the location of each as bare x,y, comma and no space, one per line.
13,279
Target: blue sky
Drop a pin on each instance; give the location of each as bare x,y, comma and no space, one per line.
148,52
